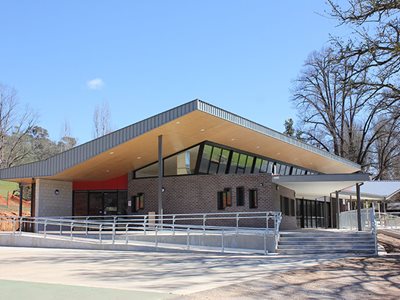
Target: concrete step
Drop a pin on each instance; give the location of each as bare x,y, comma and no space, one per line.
319,235
318,251
328,247
326,238
297,243
321,243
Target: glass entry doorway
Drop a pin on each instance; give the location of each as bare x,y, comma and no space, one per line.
313,214
95,204
99,203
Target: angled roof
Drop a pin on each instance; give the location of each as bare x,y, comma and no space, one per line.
376,190
316,186
135,146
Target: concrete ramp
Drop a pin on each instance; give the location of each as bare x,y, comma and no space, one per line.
261,244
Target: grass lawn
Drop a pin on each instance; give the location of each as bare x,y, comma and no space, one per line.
6,187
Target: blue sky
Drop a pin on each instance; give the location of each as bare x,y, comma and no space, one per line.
149,56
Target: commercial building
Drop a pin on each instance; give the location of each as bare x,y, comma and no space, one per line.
194,158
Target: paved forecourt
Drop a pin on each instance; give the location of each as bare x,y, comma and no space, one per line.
148,275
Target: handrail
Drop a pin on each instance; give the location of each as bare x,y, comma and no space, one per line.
388,221
145,224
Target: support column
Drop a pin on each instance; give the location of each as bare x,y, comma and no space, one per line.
349,203
331,208
160,178
358,206
325,213
33,192
21,192
337,210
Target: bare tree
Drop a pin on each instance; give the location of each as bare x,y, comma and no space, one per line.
66,141
101,120
341,114
375,43
386,150
15,126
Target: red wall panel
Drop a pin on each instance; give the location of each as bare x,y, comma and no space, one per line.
119,183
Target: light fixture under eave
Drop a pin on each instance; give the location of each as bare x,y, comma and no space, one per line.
177,122
139,157
202,130
112,152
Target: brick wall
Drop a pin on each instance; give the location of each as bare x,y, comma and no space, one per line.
288,222
50,204
198,194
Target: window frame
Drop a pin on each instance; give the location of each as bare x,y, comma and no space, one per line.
240,201
253,198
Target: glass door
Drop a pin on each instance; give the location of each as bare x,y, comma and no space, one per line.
110,203
95,203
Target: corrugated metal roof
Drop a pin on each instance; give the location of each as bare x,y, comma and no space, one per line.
81,153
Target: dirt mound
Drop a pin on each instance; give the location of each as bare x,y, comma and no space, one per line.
3,201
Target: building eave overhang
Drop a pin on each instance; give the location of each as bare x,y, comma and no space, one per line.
83,161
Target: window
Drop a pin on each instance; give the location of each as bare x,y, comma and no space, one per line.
257,166
214,162
212,159
223,161
270,167
80,203
182,163
205,160
288,170
224,198
234,163
110,202
228,196
249,165
288,206
253,198
122,202
149,171
240,196
220,199
275,168
138,202
241,164
292,211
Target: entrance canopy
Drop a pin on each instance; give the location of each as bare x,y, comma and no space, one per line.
317,186
375,190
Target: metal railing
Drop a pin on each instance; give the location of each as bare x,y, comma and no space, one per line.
118,229
389,221
348,220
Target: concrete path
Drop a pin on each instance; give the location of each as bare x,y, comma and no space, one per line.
17,290
152,272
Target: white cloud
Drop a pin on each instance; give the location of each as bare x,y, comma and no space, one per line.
95,84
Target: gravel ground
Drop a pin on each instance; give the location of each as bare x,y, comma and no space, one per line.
391,244
352,278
